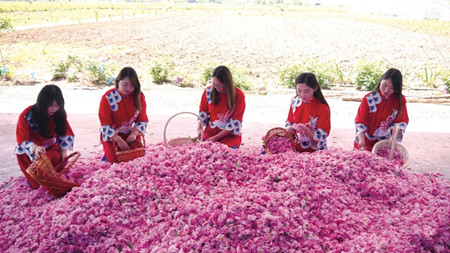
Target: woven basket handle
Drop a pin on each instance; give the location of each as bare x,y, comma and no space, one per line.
122,130
393,142
67,167
167,123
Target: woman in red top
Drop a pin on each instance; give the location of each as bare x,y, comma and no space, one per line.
222,108
380,111
42,129
120,107
309,115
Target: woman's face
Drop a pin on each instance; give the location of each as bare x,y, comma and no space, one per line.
386,87
304,91
220,87
54,107
125,86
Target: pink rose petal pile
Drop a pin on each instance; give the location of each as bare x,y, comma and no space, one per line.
209,198
279,144
397,157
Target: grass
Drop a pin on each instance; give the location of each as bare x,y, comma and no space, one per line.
42,13
38,58
434,27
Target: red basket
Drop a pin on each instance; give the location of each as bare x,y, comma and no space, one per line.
43,172
128,155
181,140
280,132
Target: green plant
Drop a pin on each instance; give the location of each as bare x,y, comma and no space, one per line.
326,73
445,76
60,71
5,73
239,74
240,77
429,76
288,73
67,69
322,71
5,24
160,68
338,73
206,70
184,79
368,75
100,73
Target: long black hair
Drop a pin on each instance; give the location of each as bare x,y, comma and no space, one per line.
311,80
132,75
397,83
223,74
39,111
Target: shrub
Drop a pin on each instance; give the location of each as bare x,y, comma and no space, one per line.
100,73
60,71
239,74
160,68
68,69
325,72
287,75
184,79
429,76
368,75
5,73
240,77
206,70
5,24
445,76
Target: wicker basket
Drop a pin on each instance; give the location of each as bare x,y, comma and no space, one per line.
128,155
393,145
181,140
280,132
43,172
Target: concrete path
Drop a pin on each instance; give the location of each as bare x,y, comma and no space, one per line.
427,138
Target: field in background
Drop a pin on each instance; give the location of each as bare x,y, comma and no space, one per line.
258,39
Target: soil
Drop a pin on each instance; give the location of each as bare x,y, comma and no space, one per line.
259,44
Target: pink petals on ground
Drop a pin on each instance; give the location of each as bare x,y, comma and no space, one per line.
211,198
279,144
397,157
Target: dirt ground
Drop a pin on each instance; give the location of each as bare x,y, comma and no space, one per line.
258,43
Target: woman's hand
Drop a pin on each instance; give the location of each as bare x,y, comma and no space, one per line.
39,151
361,141
222,134
212,139
121,143
303,127
132,137
63,153
300,126
199,131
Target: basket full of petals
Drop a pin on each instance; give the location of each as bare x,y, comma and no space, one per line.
392,150
278,140
51,178
133,153
181,140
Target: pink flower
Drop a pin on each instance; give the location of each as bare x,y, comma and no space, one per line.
211,198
